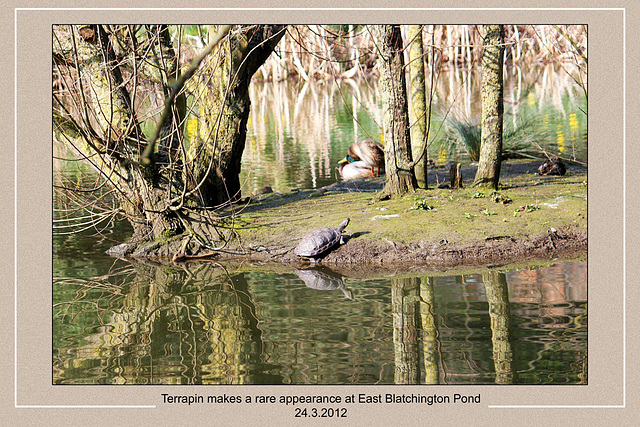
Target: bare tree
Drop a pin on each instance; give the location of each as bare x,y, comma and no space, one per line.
112,80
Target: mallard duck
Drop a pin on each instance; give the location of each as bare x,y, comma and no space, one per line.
354,170
364,158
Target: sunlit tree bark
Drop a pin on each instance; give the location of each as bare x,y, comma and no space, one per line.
217,153
488,174
418,104
400,176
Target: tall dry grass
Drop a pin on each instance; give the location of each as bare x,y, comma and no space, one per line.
311,52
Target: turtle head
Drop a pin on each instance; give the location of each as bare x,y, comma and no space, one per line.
343,224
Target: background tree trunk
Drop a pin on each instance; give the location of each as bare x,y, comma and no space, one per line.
418,104
488,174
400,176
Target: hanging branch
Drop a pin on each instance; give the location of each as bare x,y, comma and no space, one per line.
147,158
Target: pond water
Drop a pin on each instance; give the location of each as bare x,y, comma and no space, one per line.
206,323
298,131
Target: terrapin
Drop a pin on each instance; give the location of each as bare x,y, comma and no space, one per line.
320,241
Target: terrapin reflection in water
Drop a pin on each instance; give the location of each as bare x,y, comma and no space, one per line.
323,279
364,158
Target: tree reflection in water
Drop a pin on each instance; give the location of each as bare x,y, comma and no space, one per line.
202,323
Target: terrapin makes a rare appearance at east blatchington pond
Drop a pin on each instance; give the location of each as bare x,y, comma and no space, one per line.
320,241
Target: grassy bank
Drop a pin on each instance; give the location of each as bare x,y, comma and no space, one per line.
530,216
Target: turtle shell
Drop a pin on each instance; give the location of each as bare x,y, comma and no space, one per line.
319,241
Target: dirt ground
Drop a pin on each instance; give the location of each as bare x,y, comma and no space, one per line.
530,218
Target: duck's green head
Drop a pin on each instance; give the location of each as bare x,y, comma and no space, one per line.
347,159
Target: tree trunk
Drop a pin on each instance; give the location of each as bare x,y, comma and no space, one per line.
105,130
400,176
222,133
455,176
418,105
488,174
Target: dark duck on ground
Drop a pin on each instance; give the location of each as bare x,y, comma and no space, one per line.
552,166
364,158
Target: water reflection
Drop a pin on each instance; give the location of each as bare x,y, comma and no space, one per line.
497,291
206,323
323,278
298,131
121,323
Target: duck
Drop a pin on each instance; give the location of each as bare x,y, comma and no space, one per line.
353,170
364,158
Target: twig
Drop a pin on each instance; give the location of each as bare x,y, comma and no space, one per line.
145,159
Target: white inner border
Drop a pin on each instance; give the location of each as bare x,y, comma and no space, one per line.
624,182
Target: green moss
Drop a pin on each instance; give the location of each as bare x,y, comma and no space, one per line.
167,234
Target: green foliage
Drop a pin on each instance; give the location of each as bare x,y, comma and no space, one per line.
529,138
422,205
343,29
527,209
166,234
500,198
469,134
195,30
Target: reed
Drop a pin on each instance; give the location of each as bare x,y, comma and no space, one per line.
344,51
